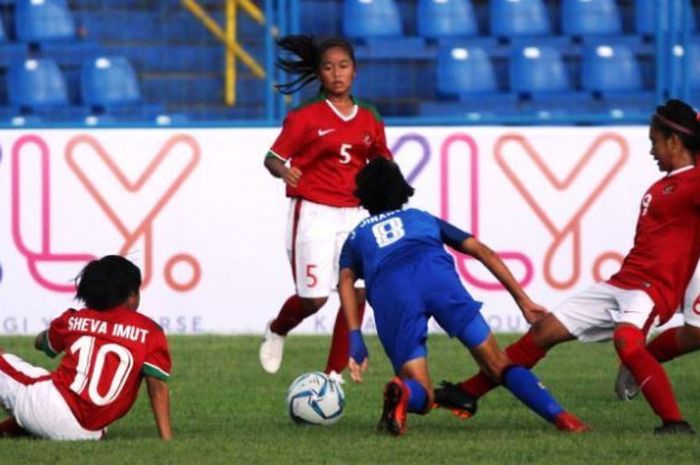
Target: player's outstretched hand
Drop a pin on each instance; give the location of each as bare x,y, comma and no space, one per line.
532,311
356,369
359,356
292,176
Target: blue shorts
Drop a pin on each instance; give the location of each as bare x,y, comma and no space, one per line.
405,297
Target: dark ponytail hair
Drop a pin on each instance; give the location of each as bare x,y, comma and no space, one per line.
309,54
679,118
381,187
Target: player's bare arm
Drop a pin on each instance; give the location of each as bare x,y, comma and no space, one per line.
279,169
531,310
348,301
159,395
39,341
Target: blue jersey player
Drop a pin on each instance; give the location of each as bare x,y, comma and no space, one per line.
410,277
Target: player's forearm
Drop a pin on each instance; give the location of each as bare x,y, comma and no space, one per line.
39,341
159,395
275,166
498,269
348,298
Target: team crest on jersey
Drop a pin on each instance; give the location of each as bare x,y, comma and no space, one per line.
367,139
670,188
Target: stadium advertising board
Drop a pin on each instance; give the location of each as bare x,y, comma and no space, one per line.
196,210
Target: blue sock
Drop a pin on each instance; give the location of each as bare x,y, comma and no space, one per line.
527,388
418,397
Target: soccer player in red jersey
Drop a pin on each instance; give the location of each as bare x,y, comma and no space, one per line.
649,286
324,143
108,348
671,343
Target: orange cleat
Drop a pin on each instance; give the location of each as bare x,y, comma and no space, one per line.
395,410
570,423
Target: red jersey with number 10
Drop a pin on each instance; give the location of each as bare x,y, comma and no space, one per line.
330,149
107,353
667,242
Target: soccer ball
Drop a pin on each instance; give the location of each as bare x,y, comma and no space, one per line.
316,399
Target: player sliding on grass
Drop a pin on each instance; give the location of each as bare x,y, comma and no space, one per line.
410,278
109,348
649,285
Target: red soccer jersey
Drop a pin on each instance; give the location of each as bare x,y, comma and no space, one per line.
330,149
107,353
667,242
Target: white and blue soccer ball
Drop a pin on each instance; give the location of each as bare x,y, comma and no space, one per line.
316,399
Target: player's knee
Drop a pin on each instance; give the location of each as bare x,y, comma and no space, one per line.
628,339
548,332
312,305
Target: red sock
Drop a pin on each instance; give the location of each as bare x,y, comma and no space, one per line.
665,346
291,314
9,428
340,345
523,352
649,374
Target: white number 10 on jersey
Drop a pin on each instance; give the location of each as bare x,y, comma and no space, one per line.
389,231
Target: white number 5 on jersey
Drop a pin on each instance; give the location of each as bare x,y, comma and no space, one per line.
345,155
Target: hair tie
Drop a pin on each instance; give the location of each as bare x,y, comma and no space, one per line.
674,126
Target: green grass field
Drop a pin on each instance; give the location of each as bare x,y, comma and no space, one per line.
225,409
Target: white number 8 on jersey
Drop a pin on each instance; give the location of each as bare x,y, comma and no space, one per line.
389,231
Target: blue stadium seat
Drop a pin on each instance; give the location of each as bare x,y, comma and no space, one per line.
465,70
364,19
591,17
646,14
44,20
536,70
446,18
609,69
37,83
519,18
109,81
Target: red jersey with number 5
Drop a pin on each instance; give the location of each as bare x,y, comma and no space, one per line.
330,149
667,242
107,354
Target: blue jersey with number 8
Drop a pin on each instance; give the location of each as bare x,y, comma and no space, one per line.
394,239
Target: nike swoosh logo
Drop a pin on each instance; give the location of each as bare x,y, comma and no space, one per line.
323,132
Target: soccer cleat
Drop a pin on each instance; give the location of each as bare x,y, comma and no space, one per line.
337,377
674,427
450,396
570,423
271,351
395,410
626,386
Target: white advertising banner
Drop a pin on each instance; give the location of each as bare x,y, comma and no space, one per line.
197,211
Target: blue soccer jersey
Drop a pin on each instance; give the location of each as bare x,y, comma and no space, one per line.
410,277
396,236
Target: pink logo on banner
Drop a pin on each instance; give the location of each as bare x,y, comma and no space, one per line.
45,252
472,153
573,227
145,227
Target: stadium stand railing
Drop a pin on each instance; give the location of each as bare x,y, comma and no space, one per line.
525,62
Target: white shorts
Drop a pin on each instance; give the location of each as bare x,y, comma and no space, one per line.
691,302
591,315
315,237
36,404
